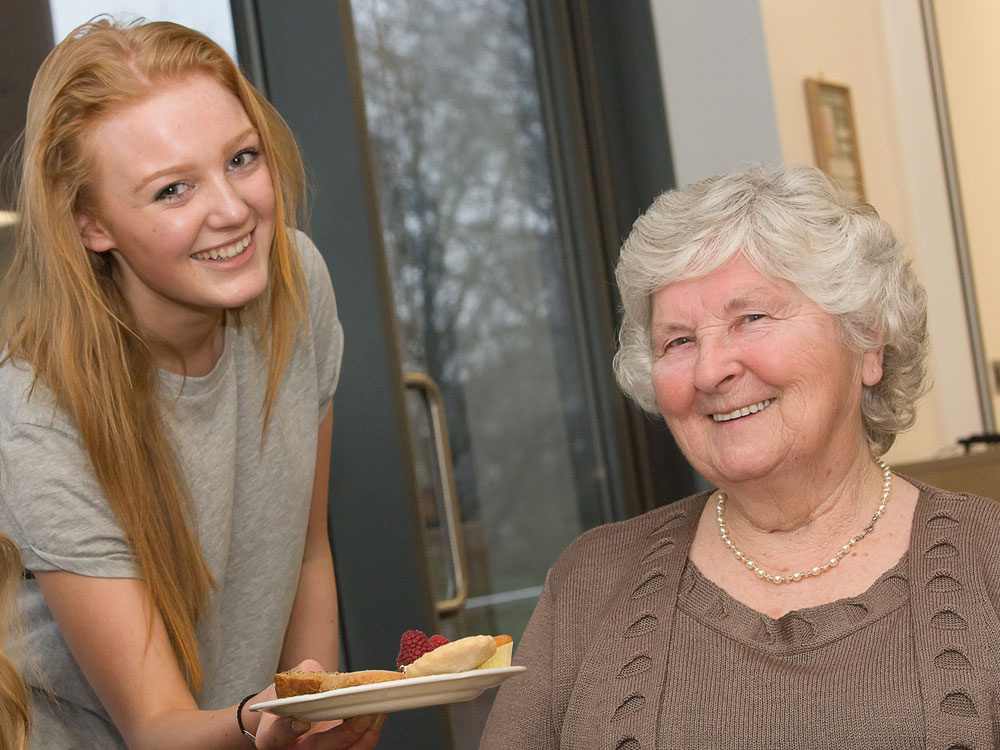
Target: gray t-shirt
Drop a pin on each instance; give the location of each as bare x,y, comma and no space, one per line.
251,500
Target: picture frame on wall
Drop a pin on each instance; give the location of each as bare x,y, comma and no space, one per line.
835,142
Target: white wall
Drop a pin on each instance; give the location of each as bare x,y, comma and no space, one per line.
213,18
716,84
970,58
877,50
733,75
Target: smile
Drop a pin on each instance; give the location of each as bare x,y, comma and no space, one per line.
743,411
224,253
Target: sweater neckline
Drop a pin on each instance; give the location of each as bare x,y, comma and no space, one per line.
796,631
179,386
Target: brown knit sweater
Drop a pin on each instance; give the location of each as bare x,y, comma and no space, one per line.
631,648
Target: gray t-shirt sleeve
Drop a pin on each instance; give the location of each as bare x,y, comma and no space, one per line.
324,324
54,508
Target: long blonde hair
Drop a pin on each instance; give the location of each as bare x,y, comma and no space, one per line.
15,713
65,315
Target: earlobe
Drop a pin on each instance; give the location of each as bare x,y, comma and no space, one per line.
95,237
871,366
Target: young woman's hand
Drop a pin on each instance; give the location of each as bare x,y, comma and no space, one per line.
357,733
276,733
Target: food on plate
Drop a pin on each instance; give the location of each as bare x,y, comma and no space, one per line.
301,682
505,649
419,656
457,656
297,682
415,644
337,680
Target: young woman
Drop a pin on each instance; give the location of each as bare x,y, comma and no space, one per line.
170,351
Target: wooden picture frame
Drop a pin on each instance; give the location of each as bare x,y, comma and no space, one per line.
835,142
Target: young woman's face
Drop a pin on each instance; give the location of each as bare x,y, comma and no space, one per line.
184,201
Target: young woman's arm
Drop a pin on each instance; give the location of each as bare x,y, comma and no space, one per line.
132,668
104,622
313,631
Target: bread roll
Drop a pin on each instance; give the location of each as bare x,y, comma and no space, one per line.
457,656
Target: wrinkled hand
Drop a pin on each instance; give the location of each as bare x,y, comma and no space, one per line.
276,733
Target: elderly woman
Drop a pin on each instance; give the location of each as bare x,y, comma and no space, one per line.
814,599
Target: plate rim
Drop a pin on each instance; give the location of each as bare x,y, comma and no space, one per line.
295,700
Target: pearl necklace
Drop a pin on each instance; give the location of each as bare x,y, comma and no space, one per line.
795,577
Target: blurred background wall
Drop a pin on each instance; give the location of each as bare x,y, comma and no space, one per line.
733,76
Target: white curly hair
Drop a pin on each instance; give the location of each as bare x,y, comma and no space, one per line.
791,223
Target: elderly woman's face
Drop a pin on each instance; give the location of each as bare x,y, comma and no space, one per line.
752,377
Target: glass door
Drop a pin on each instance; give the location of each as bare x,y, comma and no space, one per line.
489,319
474,166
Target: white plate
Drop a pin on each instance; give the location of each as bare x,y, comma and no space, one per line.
383,697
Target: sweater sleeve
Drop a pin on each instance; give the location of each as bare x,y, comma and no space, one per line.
53,506
324,323
988,534
522,715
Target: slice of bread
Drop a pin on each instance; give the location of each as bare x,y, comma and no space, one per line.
300,682
337,680
297,682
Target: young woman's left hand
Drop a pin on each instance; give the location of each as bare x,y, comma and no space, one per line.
357,733
275,733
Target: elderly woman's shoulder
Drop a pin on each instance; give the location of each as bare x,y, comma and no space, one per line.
958,523
942,509
622,544
962,529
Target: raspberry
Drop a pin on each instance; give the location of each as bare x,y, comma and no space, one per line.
437,640
412,646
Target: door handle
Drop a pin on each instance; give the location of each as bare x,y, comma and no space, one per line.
431,395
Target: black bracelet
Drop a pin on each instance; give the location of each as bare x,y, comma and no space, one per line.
239,718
